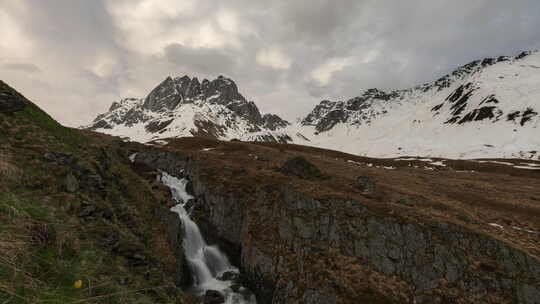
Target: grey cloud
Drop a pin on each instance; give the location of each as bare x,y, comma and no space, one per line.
81,47
23,67
199,60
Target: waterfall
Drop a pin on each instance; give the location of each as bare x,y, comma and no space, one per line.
206,262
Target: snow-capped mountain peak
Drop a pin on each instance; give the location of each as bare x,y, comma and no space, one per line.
184,106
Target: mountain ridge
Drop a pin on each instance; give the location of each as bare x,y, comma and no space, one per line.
491,104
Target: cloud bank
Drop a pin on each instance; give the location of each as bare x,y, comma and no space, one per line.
74,57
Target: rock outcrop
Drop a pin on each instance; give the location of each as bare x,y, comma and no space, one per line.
10,100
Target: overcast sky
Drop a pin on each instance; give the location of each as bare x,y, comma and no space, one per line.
74,57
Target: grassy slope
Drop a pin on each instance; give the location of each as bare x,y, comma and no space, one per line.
103,235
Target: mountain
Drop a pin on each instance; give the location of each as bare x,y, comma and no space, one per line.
183,106
487,108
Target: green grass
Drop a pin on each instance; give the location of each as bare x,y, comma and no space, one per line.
44,249
45,245
41,267
43,121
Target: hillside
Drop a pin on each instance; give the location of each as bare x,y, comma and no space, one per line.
73,209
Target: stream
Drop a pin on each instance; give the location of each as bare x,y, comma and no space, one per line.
210,267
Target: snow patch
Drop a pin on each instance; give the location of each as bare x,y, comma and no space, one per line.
496,225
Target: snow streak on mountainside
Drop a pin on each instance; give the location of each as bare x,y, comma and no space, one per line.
486,108
183,106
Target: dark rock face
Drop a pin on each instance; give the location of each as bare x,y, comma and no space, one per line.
175,236
164,96
523,55
226,87
61,158
481,114
194,88
156,126
10,100
301,167
248,110
273,122
528,114
522,117
330,113
83,175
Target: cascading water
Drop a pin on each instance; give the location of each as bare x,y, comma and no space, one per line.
207,263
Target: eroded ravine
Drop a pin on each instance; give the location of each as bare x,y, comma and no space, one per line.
295,247
210,267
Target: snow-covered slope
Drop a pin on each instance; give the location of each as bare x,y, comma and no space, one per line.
183,106
486,108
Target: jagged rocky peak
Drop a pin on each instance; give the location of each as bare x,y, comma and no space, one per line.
225,87
357,110
163,97
468,69
174,91
124,101
186,106
274,122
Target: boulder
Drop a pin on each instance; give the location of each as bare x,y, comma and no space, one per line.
262,158
61,158
213,297
365,184
10,102
229,276
236,287
71,183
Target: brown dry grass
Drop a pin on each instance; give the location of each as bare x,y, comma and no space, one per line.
9,172
493,193
16,242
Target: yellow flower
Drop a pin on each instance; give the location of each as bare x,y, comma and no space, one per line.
77,284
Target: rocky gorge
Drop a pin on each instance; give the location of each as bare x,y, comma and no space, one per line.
296,243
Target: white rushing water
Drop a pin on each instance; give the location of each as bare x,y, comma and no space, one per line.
206,262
